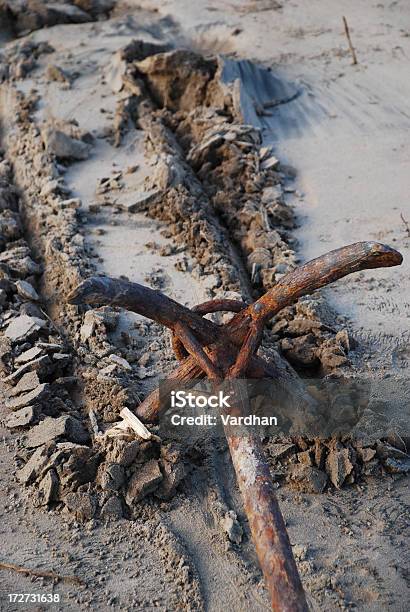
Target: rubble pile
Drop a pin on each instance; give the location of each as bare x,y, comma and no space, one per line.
28,15
64,457
312,466
221,192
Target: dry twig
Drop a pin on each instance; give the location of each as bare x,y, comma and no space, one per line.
42,574
349,40
406,224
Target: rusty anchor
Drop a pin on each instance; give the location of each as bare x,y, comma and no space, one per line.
230,352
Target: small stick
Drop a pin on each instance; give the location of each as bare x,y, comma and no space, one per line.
41,574
406,224
349,40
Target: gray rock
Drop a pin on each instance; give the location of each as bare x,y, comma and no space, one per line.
112,509
19,261
123,363
34,466
115,72
270,163
270,194
339,466
87,328
92,318
82,505
138,202
75,464
397,466
144,481
31,309
5,347
29,355
173,474
26,291
52,429
23,417
61,358
27,382
35,395
112,476
47,489
23,327
310,478
40,365
122,452
63,146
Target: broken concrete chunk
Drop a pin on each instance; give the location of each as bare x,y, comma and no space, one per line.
173,474
75,465
47,489
5,347
123,363
270,163
28,382
22,327
34,466
112,509
339,466
92,318
301,351
28,355
36,395
309,478
397,466
87,329
111,476
139,201
10,225
145,480
52,429
366,454
19,262
83,505
23,417
105,373
63,146
272,194
123,452
40,365
116,71
26,291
